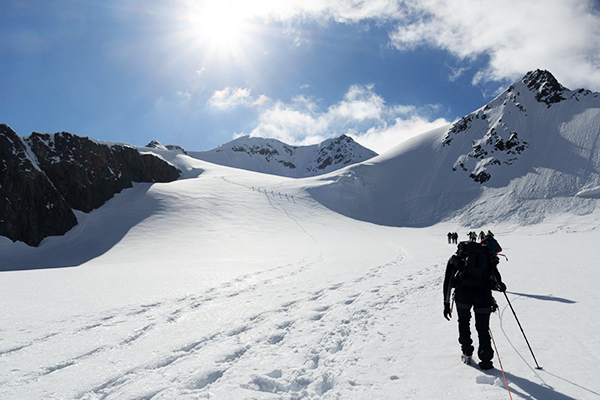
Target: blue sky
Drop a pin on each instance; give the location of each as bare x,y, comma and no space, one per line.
200,73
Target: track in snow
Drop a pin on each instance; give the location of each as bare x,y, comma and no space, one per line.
299,341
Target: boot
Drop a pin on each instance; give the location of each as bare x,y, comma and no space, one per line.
485,365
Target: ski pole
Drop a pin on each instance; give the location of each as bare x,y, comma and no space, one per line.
537,366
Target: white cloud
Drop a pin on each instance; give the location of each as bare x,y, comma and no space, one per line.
231,98
382,138
562,36
362,114
290,125
184,95
360,103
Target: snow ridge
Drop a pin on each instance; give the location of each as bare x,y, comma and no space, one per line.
274,157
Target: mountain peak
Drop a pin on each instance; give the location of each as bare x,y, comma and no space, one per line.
274,157
548,90
494,136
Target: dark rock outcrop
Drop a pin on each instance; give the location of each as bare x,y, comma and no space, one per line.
44,176
155,144
338,152
548,89
88,173
30,206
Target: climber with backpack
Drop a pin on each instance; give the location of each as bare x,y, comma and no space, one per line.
473,274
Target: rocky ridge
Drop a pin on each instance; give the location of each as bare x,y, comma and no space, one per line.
44,177
274,157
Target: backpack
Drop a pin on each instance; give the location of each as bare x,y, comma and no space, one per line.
473,263
492,244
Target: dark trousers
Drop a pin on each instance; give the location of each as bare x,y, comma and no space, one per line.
480,299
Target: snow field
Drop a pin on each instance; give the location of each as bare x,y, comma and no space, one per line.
206,288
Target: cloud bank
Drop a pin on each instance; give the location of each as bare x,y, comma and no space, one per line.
361,114
562,36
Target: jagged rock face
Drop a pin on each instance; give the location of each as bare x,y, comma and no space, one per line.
547,88
336,152
498,145
30,206
174,147
88,173
48,175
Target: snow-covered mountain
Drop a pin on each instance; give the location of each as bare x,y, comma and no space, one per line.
274,157
532,151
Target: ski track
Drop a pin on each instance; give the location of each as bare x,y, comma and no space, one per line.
300,325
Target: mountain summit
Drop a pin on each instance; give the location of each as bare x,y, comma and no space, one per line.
532,151
546,87
274,157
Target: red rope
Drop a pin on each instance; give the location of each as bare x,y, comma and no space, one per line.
501,368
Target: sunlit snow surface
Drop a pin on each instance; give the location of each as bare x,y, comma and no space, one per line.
230,284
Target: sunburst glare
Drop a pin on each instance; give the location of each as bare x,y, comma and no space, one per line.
218,25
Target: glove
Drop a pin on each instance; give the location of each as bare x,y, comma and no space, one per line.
447,311
501,287
494,305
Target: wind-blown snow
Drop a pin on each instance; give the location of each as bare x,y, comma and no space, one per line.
232,284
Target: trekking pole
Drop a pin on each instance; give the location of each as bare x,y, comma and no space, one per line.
537,366
500,362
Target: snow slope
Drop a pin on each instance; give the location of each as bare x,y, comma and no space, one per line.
232,284
533,151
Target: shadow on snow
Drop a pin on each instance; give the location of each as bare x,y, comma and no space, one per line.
95,234
545,298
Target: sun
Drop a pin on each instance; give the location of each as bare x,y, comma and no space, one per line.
218,24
